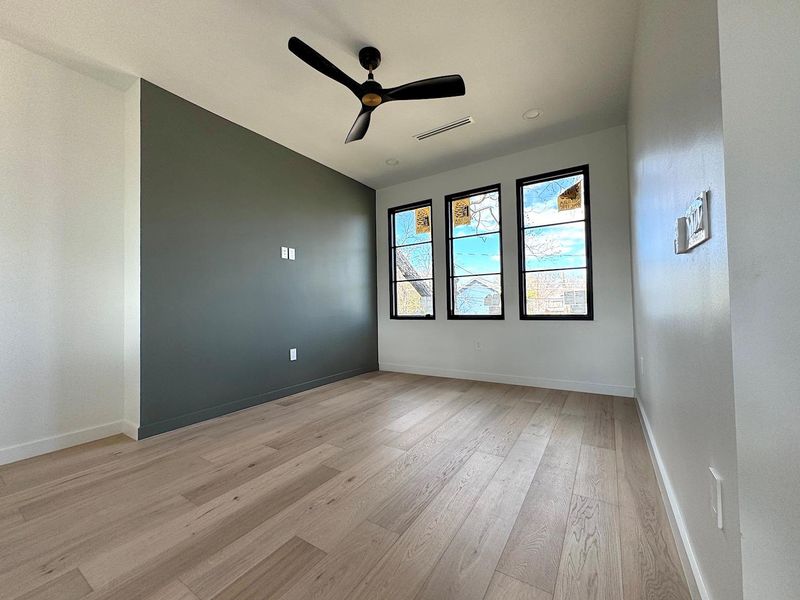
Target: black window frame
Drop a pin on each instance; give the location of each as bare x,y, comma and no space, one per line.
448,200
587,220
393,271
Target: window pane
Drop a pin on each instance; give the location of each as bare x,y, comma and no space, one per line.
414,298
556,201
476,255
556,293
475,214
477,295
412,226
555,247
413,262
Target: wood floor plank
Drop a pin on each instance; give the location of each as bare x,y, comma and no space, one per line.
464,419
103,465
599,429
637,484
651,567
403,569
435,400
222,568
600,405
138,582
484,490
235,450
504,587
329,527
52,551
143,476
209,577
564,447
546,415
533,551
275,574
360,449
625,408
597,474
505,432
129,568
599,432
324,392
9,518
576,404
399,511
414,434
45,469
69,586
335,576
535,394
466,568
174,590
590,562
245,470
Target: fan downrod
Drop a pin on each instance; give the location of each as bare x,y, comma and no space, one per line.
369,57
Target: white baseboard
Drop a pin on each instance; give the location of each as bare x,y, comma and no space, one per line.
691,567
130,429
554,384
58,442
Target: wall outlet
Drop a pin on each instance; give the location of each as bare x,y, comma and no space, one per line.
291,254
477,345
641,367
284,252
292,353
716,496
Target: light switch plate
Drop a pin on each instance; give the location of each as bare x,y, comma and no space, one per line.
692,228
284,252
292,353
291,253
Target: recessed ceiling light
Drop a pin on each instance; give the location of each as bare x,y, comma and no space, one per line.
531,114
392,162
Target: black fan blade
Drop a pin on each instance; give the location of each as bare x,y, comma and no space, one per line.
315,60
435,87
359,128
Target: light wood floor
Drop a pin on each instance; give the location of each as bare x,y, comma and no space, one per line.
384,486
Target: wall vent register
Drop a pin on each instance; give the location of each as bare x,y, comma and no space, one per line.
442,128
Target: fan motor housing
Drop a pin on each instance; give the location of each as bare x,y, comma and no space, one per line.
369,57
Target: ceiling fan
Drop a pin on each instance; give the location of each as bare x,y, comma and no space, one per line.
371,93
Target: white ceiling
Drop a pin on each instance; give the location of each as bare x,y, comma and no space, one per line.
570,58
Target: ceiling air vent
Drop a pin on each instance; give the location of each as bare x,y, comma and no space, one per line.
442,128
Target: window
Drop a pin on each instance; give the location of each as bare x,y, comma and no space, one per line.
555,250
474,254
411,261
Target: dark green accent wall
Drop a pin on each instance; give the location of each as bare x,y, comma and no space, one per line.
219,307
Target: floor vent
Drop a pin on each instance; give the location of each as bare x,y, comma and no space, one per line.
442,128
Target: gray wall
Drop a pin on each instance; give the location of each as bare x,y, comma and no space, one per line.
681,303
220,309
760,51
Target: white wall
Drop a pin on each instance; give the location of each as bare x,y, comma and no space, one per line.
595,356
132,239
681,303
61,256
760,52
